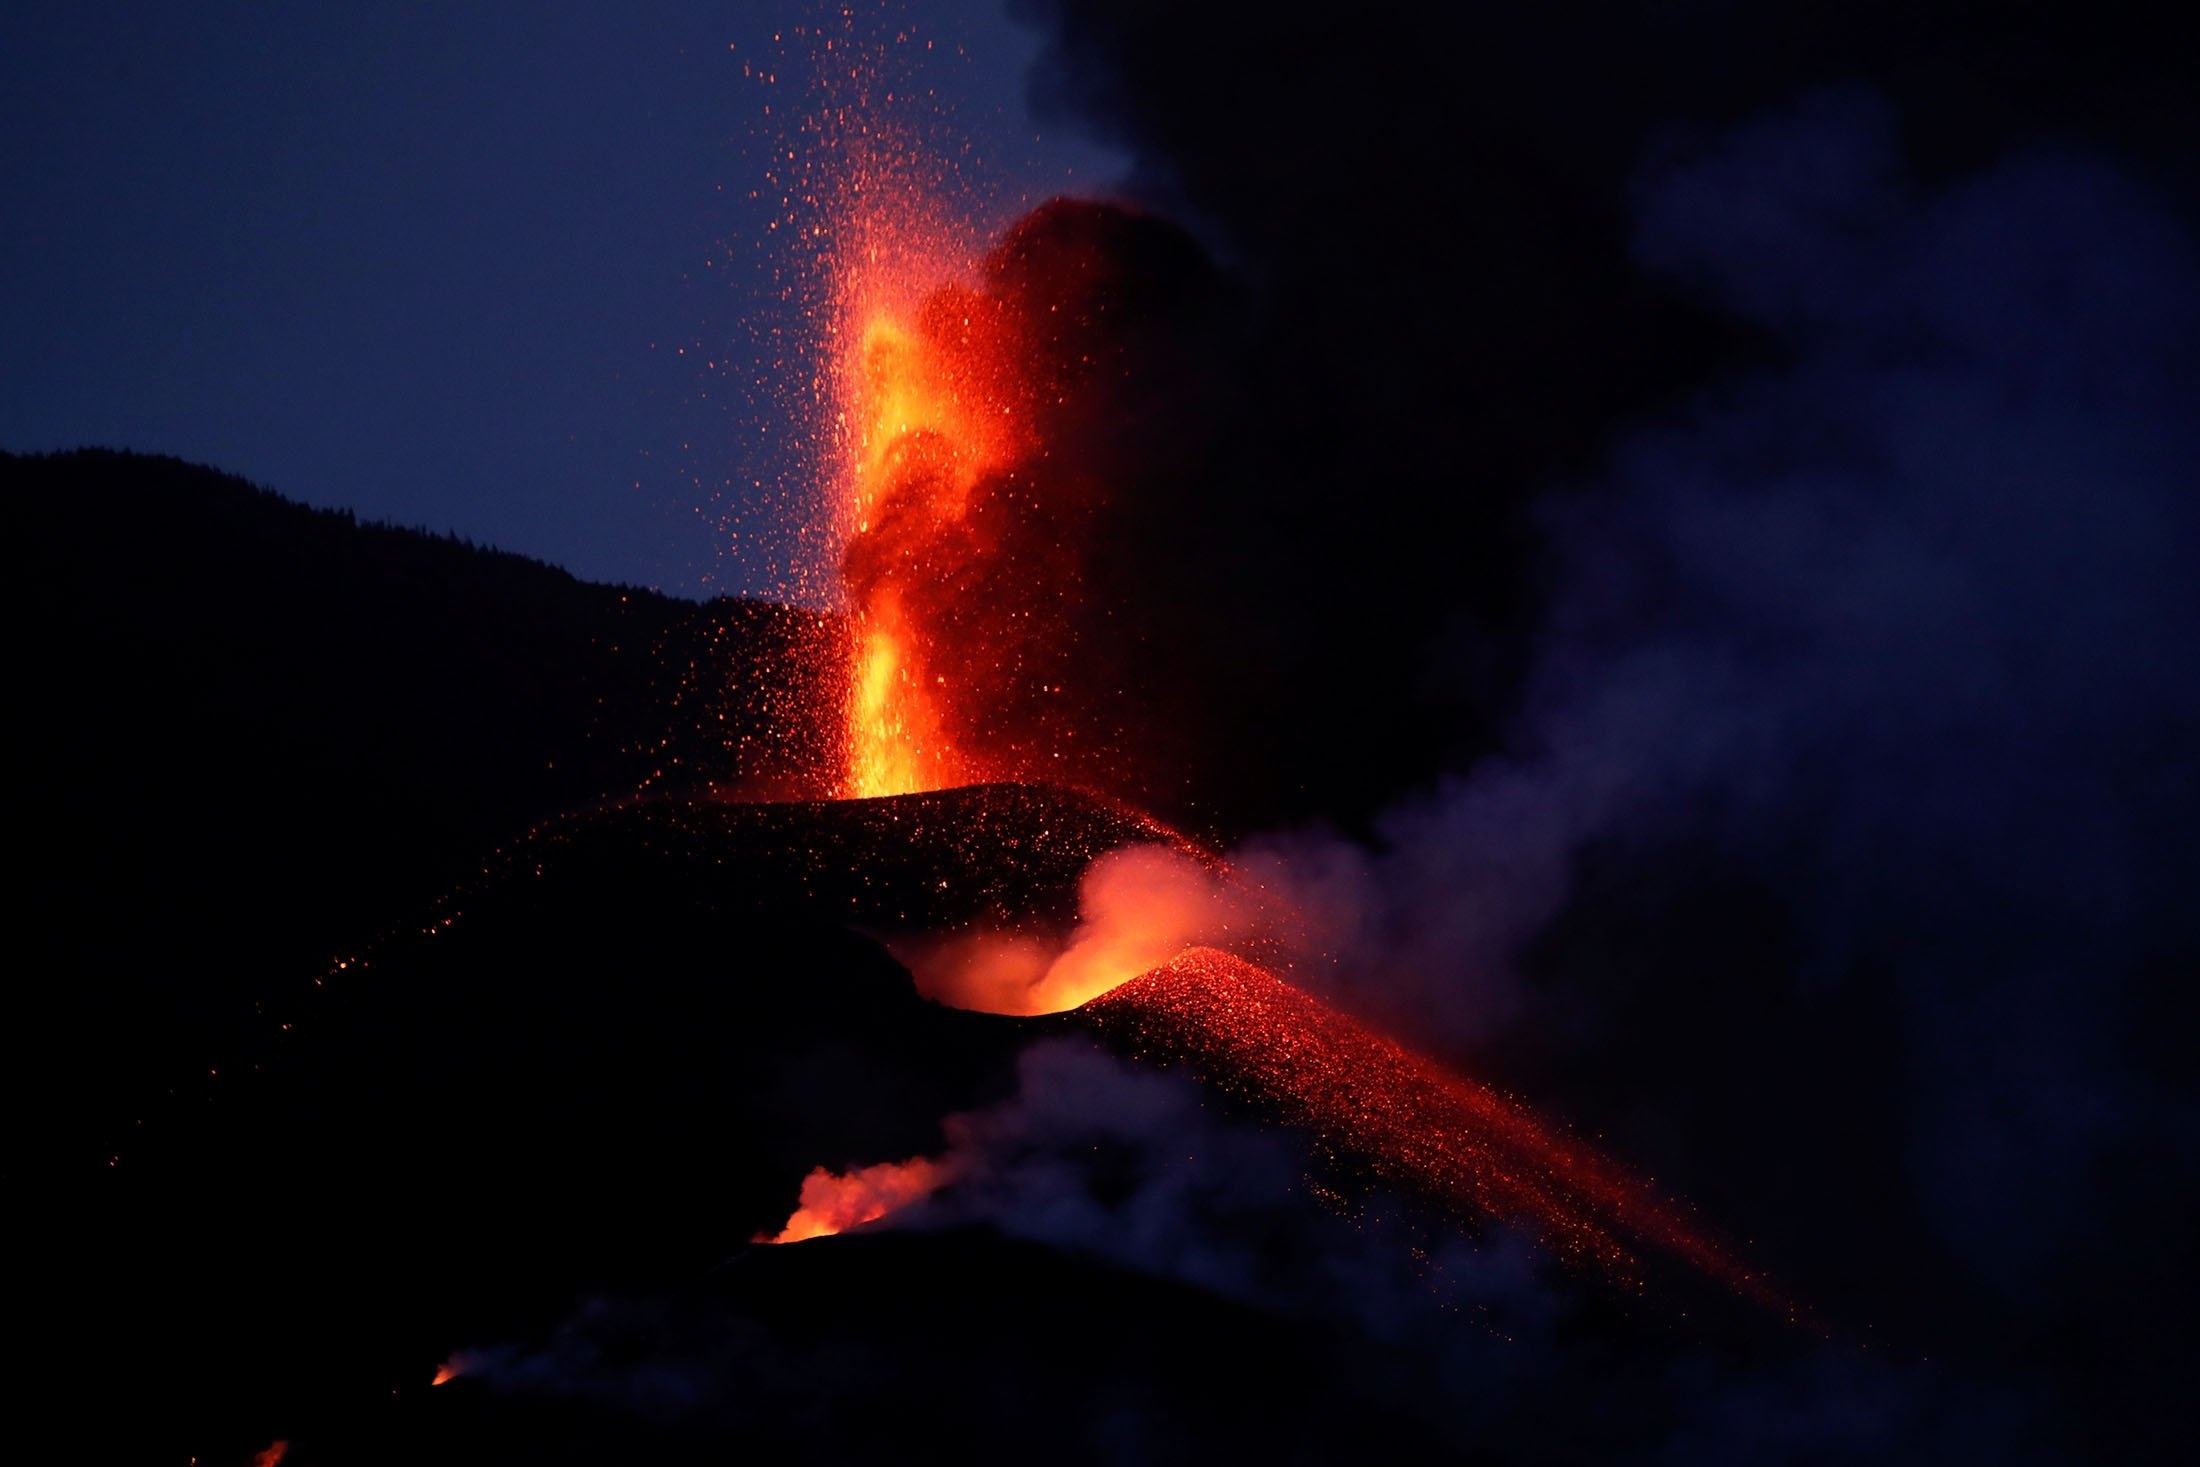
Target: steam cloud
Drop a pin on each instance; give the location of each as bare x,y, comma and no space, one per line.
1864,717
1860,724
833,1202
1095,1157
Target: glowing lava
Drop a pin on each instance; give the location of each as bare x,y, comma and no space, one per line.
964,526
834,1202
1410,1121
927,390
1382,1111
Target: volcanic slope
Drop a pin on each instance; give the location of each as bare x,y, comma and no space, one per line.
252,732
602,1062
953,1346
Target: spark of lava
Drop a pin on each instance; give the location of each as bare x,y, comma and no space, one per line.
833,1202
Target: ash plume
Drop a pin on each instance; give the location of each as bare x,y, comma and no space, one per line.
1443,313
1860,722
1757,445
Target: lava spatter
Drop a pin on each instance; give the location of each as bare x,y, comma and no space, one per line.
1410,1121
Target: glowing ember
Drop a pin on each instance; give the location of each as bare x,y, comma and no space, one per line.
833,1202
1408,1120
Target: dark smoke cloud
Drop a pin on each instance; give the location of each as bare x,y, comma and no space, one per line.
1823,777
1861,736
1428,211
1246,116
1925,585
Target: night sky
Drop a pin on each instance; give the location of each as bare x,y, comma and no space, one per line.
437,265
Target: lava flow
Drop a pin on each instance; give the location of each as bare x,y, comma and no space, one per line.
1371,1104
1407,1119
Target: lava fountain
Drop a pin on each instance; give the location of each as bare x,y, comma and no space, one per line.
922,385
962,522
929,398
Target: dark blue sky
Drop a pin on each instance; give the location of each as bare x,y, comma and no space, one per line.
437,263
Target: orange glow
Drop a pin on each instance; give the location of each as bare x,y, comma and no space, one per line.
1138,907
272,1455
833,1202
445,1373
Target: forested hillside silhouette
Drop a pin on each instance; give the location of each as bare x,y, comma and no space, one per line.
253,733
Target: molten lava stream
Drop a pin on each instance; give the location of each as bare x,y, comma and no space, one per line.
1406,1118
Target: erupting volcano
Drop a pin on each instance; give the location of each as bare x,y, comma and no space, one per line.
1121,732
962,560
